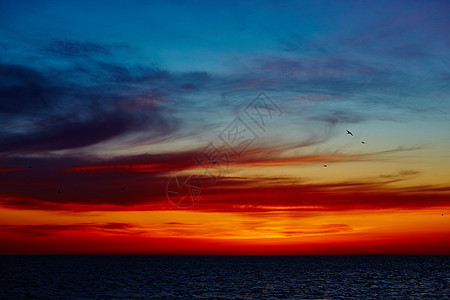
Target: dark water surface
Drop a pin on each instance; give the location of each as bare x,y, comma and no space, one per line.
256,277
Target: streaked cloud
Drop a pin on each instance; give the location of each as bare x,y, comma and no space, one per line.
100,111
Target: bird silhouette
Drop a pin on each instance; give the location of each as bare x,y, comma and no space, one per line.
362,142
213,162
442,214
123,188
30,167
349,132
59,191
325,166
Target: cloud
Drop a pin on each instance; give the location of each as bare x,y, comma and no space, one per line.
267,194
72,48
22,90
51,229
400,175
41,113
87,183
127,103
95,183
265,156
340,117
319,229
69,135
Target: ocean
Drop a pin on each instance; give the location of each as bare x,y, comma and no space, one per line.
224,277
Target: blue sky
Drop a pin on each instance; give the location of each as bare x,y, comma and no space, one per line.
100,80
380,55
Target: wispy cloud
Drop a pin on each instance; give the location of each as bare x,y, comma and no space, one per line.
52,229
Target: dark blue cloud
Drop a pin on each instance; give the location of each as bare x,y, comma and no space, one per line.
71,48
68,135
42,112
21,90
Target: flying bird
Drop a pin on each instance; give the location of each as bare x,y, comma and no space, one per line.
349,132
325,166
123,188
362,142
59,191
213,162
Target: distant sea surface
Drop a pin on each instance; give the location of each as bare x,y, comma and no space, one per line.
225,277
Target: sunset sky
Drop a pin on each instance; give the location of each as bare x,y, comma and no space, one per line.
105,105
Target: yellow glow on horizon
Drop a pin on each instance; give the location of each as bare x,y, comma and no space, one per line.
319,225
